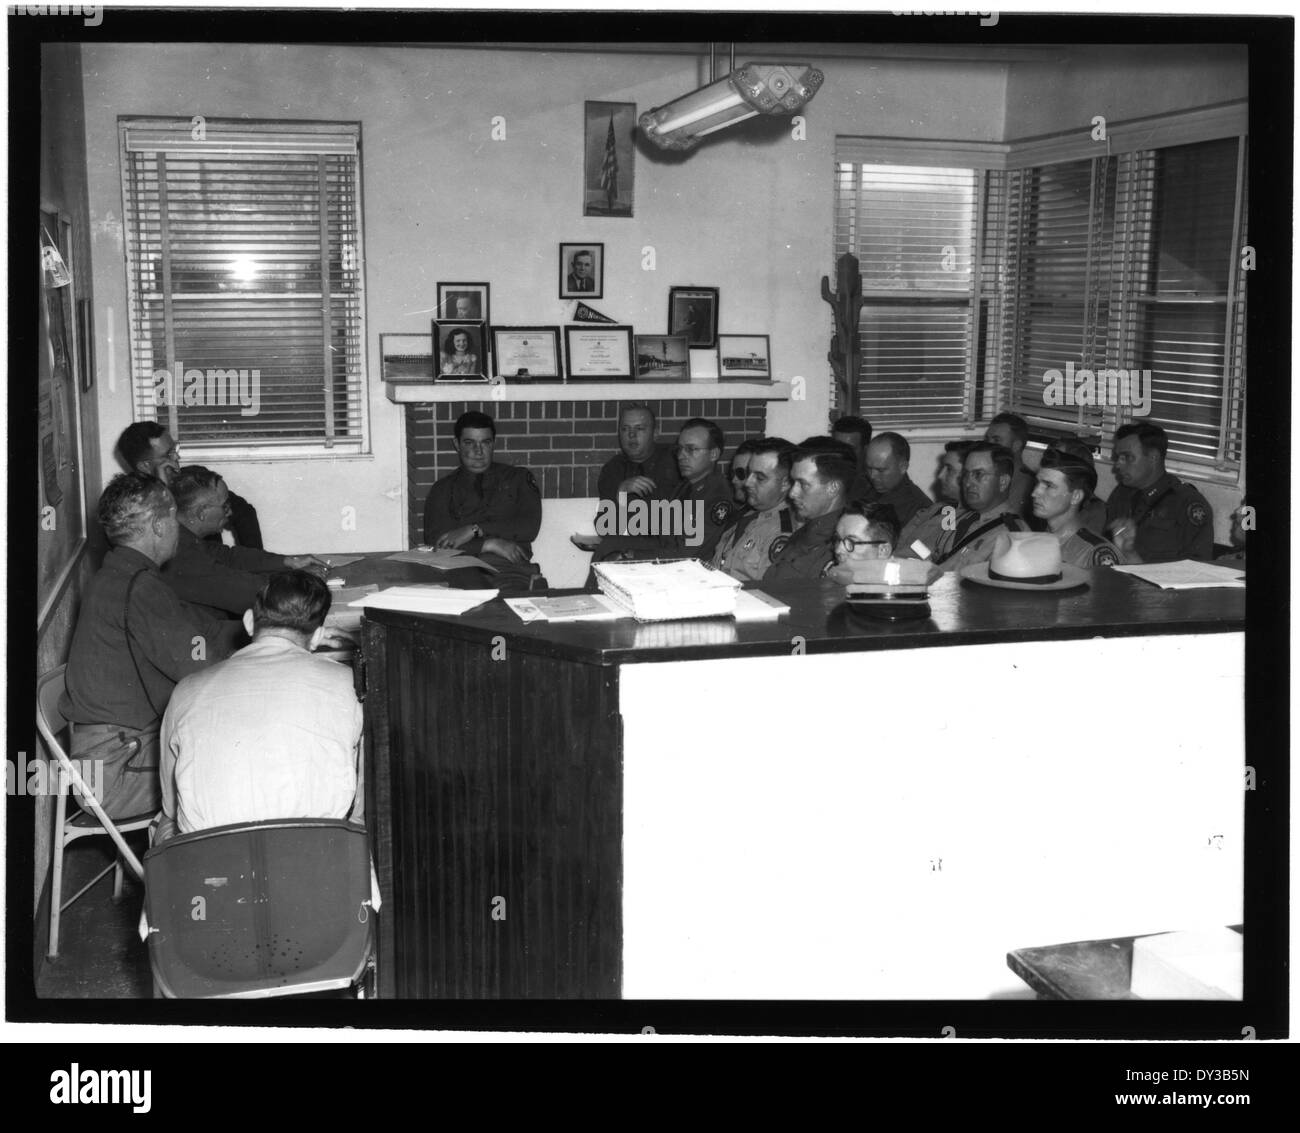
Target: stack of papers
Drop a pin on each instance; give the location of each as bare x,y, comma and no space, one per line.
426,599
1186,575
664,591
573,608
341,616
439,560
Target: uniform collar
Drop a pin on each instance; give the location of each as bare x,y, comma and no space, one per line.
1167,481
272,645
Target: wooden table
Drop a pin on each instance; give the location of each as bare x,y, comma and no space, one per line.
705,809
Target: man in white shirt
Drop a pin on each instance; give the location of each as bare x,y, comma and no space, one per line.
272,732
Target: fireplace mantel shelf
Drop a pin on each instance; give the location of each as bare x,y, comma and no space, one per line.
407,393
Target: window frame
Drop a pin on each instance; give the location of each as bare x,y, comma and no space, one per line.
261,137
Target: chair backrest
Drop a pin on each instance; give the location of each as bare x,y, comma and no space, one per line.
260,908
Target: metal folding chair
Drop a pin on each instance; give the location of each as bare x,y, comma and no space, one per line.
87,820
261,909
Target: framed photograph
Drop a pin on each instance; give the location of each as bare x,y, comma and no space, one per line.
704,363
526,354
459,351
406,357
608,169
582,271
745,357
464,302
598,353
86,343
693,311
662,358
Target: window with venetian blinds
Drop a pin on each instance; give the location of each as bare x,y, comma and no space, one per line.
982,278
243,254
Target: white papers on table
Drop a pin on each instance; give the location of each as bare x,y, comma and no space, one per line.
663,591
1186,575
426,599
440,560
340,615
755,606
569,608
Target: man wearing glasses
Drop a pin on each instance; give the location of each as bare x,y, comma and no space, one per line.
205,572
486,509
705,510
986,478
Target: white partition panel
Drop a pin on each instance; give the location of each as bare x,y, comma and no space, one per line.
889,825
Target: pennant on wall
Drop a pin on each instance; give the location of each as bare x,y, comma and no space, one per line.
585,314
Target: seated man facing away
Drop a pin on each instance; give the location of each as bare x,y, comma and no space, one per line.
888,457
273,732
920,535
1065,484
223,580
1152,516
701,506
748,547
986,477
490,510
820,476
134,640
146,447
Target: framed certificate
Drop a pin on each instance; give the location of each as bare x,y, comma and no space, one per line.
525,354
599,353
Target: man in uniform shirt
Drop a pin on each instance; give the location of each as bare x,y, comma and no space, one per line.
273,732
1011,432
986,476
739,470
749,545
819,483
1092,514
223,580
702,502
134,640
643,467
927,524
1152,516
490,510
1065,483
146,447
856,433
888,457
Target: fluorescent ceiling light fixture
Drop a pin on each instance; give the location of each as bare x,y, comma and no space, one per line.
750,90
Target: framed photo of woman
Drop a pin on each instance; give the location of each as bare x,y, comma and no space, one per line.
459,351
693,311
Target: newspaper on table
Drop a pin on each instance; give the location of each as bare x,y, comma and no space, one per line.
1186,574
663,591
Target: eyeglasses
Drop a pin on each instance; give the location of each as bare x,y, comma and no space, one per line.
978,474
739,473
691,450
848,543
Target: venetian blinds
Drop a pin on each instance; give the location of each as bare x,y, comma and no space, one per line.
243,253
926,285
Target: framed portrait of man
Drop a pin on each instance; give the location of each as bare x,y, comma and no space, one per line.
582,271
464,302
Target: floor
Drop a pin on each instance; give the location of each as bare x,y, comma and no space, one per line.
101,955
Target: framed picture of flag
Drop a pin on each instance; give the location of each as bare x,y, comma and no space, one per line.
608,168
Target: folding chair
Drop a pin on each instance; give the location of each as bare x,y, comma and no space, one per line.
261,909
88,820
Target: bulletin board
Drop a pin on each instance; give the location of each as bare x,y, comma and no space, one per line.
61,510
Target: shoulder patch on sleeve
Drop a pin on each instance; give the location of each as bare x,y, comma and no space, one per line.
778,545
528,478
720,513
1104,556
1197,512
